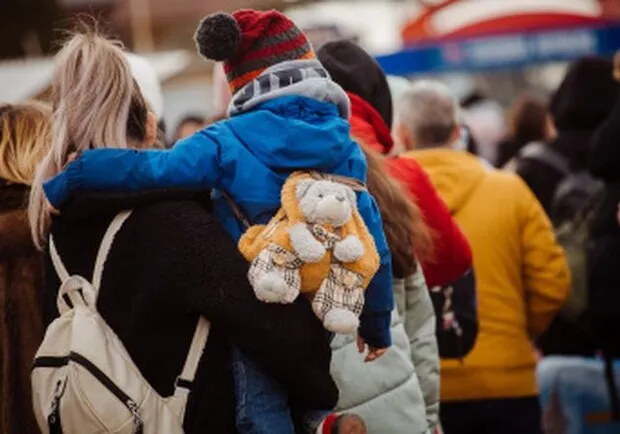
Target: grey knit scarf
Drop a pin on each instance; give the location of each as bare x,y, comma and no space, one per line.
294,77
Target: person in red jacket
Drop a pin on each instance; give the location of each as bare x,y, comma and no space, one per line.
371,117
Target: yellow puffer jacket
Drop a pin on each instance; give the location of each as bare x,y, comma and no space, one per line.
522,275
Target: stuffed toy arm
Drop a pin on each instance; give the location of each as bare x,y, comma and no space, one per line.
308,248
349,250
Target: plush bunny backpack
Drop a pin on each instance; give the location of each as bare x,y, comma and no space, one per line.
317,244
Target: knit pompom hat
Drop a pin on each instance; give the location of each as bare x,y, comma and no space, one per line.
250,41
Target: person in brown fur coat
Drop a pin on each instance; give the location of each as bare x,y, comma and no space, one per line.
24,137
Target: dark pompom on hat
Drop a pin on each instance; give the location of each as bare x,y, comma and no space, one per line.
218,37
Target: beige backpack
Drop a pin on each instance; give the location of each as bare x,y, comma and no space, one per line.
84,381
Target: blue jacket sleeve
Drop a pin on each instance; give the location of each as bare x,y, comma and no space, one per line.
377,313
193,163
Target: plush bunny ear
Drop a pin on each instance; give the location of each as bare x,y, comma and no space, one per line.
351,196
303,185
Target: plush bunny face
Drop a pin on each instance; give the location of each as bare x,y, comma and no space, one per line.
325,202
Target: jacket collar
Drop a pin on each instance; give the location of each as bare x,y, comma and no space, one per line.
455,174
291,78
368,125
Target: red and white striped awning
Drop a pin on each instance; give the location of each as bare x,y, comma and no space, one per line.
470,18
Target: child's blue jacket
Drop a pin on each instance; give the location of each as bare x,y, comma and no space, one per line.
249,156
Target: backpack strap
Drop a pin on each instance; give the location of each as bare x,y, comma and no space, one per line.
105,246
236,210
102,254
61,271
353,183
543,153
183,383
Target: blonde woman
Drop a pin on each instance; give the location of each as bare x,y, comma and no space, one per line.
170,262
24,139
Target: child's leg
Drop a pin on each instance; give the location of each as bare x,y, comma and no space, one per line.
262,405
308,422
325,422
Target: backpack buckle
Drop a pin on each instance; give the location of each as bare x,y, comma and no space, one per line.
181,383
75,291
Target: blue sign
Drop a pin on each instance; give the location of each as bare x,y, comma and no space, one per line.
504,51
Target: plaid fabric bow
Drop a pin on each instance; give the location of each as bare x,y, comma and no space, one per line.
327,238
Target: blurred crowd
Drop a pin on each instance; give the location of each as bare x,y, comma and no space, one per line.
493,306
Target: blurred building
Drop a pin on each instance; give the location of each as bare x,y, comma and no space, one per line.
149,25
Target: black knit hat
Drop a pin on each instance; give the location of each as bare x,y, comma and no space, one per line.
358,72
586,95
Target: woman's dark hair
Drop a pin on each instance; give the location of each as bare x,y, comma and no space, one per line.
527,123
586,95
189,119
138,116
528,119
407,234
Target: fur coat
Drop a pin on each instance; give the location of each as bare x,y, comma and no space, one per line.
21,329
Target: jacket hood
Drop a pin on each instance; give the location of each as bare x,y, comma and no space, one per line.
455,174
15,236
368,126
294,132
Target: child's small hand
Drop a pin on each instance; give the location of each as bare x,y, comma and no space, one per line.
373,353
52,210
70,159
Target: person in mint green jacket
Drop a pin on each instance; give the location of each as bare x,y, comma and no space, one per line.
399,393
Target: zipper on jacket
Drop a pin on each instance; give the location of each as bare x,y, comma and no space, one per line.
130,404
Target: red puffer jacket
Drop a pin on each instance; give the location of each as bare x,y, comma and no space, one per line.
452,254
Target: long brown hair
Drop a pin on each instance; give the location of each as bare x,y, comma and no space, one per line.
405,229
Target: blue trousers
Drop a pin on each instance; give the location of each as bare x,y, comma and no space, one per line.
263,405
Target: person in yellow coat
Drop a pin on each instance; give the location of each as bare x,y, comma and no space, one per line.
522,275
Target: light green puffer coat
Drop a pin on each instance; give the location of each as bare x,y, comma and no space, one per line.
399,393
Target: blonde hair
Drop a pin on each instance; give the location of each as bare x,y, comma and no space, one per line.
97,104
24,139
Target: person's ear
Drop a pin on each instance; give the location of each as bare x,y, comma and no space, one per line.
456,134
151,130
551,133
404,137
